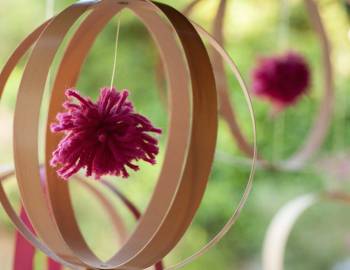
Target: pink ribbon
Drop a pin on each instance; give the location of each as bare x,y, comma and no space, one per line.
25,252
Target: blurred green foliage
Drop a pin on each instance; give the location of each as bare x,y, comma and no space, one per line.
251,30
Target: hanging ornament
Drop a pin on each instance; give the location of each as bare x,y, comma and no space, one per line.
322,119
188,154
319,129
281,79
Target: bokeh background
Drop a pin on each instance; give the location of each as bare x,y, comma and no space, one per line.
321,238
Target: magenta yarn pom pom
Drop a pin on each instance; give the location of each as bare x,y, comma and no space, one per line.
281,79
105,137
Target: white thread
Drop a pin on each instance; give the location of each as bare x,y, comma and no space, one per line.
115,53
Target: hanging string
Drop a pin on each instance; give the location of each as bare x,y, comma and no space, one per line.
340,123
115,53
283,31
278,135
282,43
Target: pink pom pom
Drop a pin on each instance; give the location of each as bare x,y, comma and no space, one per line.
281,79
105,137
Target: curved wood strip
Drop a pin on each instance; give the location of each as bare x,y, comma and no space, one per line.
278,232
6,71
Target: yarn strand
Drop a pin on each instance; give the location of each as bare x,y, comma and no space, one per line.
115,53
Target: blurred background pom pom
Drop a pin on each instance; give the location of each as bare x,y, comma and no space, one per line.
105,137
281,79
